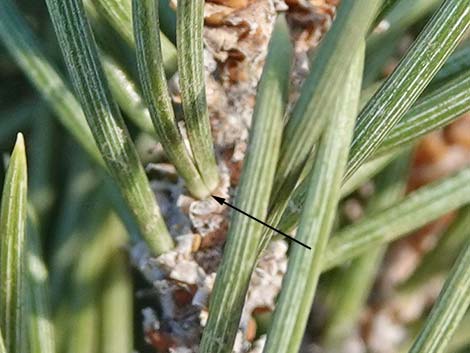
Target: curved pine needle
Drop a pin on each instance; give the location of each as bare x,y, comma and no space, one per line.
382,43
12,251
252,196
428,53
457,64
105,120
152,77
190,20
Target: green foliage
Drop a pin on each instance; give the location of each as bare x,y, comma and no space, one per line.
40,327
414,211
23,46
66,284
318,93
449,309
13,251
126,93
457,63
444,104
117,293
427,55
440,258
105,120
87,290
324,185
119,15
189,25
352,285
436,109
2,345
253,196
149,56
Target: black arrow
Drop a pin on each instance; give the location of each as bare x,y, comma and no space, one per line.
222,201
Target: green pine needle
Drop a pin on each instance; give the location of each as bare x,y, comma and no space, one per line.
414,211
105,120
190,18
324,184
13,252
252,196
450,307
152,76
427,55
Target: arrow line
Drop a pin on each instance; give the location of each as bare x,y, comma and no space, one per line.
222,201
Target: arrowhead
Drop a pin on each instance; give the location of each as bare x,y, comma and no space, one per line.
220,200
